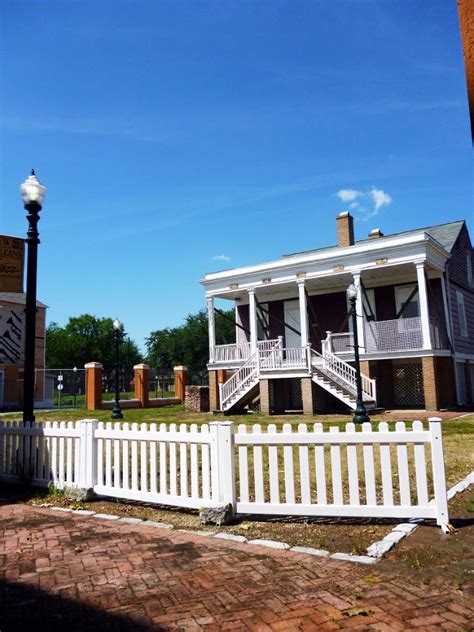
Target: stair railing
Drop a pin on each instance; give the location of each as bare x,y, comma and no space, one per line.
332,365
241,378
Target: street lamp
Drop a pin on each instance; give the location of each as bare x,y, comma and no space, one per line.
360,414
117,411
32,193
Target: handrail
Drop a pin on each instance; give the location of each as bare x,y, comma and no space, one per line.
346,373
248,369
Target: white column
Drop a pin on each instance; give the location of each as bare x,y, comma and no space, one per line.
423,300
303,314
359,312
212,328
447,317
253,321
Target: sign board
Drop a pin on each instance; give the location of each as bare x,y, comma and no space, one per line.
11,335
12,257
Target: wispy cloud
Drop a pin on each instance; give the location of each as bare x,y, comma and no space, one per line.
368,202
347,195
380,198
221,258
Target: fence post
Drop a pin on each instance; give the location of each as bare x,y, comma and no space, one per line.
88,454
222,463
439,477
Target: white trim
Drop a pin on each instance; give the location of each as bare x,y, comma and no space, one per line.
447,318
462,314
304,325
252,320
423,303
212,328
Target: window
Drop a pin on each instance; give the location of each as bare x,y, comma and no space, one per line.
469,268
402,294
461,313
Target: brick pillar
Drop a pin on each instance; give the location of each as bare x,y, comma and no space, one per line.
213,391
265,408
141,375
93,385
307,395
429,383
180,381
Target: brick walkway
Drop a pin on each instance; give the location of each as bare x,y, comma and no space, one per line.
66,572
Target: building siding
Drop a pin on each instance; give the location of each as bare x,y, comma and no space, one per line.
458,281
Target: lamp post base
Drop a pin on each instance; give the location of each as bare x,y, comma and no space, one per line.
117,413
360,414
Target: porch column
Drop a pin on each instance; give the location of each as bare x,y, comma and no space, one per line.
424,310
253,321
212,328
359,312
303,314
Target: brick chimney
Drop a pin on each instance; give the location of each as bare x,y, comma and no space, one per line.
345,229
375,233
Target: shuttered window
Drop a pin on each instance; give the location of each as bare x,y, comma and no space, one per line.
461,313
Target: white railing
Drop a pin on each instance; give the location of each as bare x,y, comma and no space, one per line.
343,372
241,351
284,358
341,343
393,335
373,472
243,378
382,487
232,353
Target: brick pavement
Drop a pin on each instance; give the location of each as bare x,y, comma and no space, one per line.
66,572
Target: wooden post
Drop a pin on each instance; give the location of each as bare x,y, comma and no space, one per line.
93,385
88,453
141,375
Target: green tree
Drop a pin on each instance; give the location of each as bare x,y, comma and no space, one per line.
84,339
189,343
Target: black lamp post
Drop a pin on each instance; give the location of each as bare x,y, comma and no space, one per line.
117,411
32,194
360,414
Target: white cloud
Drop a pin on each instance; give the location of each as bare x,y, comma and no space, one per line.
221,258
368,202
380,198
347,195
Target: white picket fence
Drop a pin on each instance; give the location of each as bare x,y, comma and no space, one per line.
378,473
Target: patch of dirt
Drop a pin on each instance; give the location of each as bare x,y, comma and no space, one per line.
436,559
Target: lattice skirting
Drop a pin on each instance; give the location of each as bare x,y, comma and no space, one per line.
408,385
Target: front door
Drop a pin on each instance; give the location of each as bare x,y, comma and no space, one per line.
292,317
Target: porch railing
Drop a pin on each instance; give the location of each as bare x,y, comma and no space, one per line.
241,351
402,334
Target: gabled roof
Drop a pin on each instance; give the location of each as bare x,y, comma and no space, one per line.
444,234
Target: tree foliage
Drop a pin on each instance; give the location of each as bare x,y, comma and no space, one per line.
84,339
189,343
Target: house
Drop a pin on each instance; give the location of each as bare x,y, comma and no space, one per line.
12,325
294,343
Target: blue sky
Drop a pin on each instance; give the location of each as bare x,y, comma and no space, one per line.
178,138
